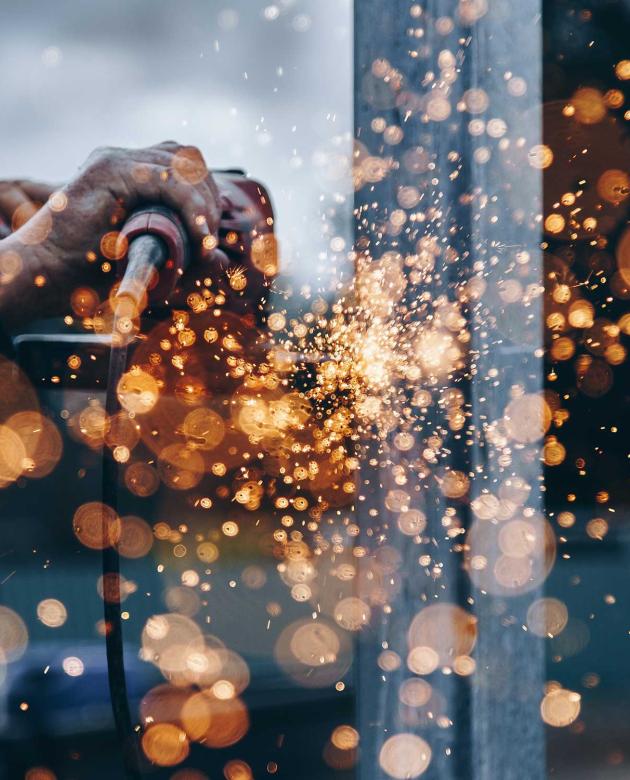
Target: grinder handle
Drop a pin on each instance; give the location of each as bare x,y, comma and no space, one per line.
153,266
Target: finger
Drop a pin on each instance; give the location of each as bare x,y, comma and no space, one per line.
175,157
37,190
216,194
188,165
15,207
199,212
188,169
167,157
161,154
152,156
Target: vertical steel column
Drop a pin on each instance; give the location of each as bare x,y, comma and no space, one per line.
497,733
507,732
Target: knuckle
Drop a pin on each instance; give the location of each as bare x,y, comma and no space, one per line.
98,153
102,157
195,152
197,202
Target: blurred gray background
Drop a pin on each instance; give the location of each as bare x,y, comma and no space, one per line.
262,85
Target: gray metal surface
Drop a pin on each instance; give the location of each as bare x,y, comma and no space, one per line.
496,731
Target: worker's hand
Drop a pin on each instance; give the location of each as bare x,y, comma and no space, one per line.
70,226
62,244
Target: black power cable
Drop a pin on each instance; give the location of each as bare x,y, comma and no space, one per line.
147,254
158,243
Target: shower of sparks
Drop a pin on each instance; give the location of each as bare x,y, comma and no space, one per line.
350,433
